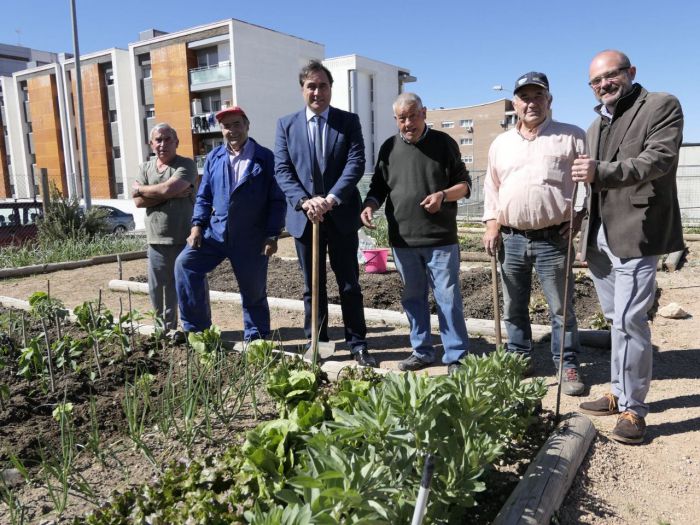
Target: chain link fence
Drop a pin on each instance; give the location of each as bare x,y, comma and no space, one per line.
687,180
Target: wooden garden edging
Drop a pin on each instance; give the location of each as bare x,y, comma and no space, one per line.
547,480
24,271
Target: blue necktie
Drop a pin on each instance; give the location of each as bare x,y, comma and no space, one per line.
319,160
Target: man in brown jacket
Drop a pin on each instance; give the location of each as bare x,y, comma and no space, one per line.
633,218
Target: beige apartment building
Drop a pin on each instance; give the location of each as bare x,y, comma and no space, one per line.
474,128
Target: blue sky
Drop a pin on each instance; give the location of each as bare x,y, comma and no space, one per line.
458,49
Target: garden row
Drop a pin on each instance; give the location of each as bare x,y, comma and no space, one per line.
349,452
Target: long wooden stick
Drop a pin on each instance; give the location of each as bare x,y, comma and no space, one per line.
562,339
496,307
314,290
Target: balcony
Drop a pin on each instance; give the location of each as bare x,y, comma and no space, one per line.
210,76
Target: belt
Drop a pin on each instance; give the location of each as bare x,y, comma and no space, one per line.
542,233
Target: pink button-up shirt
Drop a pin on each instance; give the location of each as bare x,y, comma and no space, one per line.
528,183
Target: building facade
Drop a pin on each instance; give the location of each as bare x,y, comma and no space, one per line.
368,87
474,128
182,78
12,59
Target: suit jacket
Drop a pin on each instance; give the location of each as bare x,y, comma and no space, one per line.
634,190
244,215
345,165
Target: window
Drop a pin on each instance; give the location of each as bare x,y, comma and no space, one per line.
468,159
429,124
466,141
116,152
207,57
145,65
447,124
150,111
466,123
109,76
112,115
211,101
9,159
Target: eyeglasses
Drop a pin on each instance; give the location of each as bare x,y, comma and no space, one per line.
610,75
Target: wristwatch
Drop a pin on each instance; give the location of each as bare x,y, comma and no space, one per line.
300,203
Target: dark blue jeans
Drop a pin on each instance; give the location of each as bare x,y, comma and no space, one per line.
547,256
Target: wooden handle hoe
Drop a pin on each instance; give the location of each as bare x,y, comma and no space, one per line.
496,308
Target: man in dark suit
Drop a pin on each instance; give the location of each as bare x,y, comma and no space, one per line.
633,218
319,159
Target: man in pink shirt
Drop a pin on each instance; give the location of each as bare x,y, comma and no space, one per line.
528,191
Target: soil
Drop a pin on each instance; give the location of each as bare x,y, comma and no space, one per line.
658,482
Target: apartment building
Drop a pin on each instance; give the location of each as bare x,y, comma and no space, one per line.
12,59
368,87
108,106
37,123
182,78
43,124
474,128
185,77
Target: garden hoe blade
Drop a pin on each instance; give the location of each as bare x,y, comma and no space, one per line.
324,350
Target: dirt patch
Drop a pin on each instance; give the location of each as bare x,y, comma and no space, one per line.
657,483
383,291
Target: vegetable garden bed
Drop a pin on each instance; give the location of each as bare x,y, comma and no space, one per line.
160,433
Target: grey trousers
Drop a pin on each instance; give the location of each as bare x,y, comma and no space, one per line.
161,282
626,289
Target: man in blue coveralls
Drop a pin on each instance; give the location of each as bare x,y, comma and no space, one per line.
238,215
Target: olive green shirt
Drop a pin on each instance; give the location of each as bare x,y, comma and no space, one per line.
169,221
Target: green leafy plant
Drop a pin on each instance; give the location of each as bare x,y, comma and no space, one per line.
66,219
207,344
599,322
380,233
43,306
31,360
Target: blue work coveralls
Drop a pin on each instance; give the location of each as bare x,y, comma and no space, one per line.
236,221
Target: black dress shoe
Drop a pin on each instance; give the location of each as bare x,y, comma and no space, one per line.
364,358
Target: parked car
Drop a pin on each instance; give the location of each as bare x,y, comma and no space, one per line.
18,221
116,220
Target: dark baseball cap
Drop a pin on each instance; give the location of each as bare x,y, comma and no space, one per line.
533,78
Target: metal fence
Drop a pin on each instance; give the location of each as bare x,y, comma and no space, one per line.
687,179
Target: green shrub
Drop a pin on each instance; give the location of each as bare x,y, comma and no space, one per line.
65,219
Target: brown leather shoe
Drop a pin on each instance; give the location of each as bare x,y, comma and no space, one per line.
630,428
604,406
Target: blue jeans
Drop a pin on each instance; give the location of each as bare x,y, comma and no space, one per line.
161,282
437,267
548,257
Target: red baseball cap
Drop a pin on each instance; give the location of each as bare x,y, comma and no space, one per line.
235,110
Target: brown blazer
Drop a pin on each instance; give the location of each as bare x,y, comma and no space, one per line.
636,182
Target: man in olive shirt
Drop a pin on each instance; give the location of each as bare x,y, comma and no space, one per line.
164,186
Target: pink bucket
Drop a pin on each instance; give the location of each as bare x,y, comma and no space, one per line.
375,260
